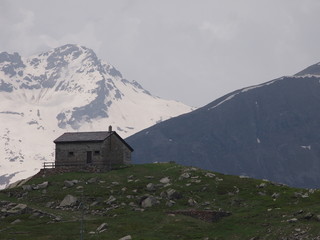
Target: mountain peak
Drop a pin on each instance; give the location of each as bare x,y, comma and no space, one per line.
66,89
62,56
268,131
69,49
311,70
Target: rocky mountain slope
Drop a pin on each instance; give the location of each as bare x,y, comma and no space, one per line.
66,89
157,201
269,131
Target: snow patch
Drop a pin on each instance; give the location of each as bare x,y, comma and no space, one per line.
244,90
307,76
88,94
306,147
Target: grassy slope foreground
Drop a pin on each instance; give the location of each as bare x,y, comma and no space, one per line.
157,201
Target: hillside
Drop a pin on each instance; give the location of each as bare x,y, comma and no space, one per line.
66,89
157,201
269,131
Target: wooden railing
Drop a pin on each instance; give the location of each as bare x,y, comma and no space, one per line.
49,165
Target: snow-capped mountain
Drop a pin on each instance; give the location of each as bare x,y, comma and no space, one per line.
66,89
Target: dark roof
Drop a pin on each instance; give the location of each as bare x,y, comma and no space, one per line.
70,137
83,137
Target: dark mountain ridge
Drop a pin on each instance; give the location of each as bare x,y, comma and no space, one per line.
267,131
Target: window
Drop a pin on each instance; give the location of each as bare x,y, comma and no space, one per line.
70,154
96,152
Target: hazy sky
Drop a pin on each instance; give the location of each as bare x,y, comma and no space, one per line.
193,51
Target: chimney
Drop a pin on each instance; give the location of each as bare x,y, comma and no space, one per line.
110,128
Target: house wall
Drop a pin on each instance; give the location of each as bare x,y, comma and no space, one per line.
76,153
108,153
117,151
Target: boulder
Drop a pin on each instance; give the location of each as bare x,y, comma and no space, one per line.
275,195
206,203
163,194
149,177
262,185
128,237
165,180
49,204
149,202
132,204
196,180
173,194
103,227
192,202
43,185
18,209
308,215
184,175
68,184
95,203
210,175
292,220
16,221
170,203
26,187
92,180
35,215
243,176
298,212
151,187
69,201
111,199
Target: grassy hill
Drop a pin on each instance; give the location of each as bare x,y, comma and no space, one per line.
157,201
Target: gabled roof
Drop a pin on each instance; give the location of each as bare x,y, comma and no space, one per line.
72,137
82,137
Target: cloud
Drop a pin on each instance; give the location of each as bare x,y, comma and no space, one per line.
86,37
207,47
219,31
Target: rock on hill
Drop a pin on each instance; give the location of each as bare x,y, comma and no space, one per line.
267,131
66,89
157,201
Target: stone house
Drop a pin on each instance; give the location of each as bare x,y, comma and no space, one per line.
102,149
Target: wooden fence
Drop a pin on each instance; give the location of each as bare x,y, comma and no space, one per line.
50,165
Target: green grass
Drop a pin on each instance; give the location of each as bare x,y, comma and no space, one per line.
254,212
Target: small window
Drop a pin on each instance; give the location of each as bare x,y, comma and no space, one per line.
70,154
96,152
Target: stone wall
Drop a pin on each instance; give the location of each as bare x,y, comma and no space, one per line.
77,153
117,151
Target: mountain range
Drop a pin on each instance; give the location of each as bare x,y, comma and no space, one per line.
66,89
268,131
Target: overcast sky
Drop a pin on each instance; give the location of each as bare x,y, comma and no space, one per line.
193,51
